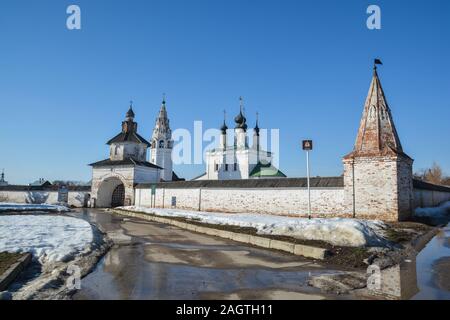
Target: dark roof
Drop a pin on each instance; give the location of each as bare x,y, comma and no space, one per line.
175,177
266,170
128,137
41,183
419,184
317,182
126,162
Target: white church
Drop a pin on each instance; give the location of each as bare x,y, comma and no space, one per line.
235,159
114,179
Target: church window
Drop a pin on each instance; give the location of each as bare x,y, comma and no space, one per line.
216,167
115,150
161,144
235,167
226,167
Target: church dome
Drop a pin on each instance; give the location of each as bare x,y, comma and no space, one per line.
240,121
224,128
130,113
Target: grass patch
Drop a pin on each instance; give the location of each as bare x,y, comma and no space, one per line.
7,259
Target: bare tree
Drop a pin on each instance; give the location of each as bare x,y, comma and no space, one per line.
432,175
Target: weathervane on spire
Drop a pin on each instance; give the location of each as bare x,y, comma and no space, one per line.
164,98
376,62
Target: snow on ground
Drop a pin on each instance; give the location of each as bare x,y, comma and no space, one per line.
20,207
336,231
48,238
441,211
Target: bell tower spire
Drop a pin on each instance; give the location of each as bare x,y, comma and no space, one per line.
162,143
377,134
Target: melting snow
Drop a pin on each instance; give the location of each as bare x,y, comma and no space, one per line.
441,211
48,238
336,231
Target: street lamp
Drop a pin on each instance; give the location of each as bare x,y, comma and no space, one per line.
307,146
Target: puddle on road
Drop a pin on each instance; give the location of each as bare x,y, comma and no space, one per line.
163,262
125,274
432,276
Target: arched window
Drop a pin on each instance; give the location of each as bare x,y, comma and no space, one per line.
161,144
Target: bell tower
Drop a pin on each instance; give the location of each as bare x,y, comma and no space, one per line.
162,144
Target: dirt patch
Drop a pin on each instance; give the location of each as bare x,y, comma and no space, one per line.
405,232
351,258
7,259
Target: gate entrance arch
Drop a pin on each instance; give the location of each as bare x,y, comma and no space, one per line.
111,193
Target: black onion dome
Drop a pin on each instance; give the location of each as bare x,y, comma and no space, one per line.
256,128
224,128
240,121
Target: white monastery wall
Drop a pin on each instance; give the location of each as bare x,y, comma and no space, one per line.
76,199
429,198
279,201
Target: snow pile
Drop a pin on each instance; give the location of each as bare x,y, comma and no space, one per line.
20,207
434,212
48,238
336,231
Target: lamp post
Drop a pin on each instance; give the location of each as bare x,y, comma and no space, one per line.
307,146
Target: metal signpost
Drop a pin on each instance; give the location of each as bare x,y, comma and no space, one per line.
307,146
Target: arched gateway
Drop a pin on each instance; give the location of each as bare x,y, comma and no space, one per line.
113,179
112,192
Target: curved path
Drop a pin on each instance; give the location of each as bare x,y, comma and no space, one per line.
156,261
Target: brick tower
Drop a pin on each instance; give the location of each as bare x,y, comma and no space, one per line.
377,173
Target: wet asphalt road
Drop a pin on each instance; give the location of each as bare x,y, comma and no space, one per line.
156,261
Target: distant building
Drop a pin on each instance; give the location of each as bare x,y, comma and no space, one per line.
2,179
239,160
41,183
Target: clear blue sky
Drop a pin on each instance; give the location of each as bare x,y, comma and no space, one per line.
304,65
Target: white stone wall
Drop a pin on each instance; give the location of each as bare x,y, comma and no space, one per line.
379,188
76,198
371,188
429,198
280,201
